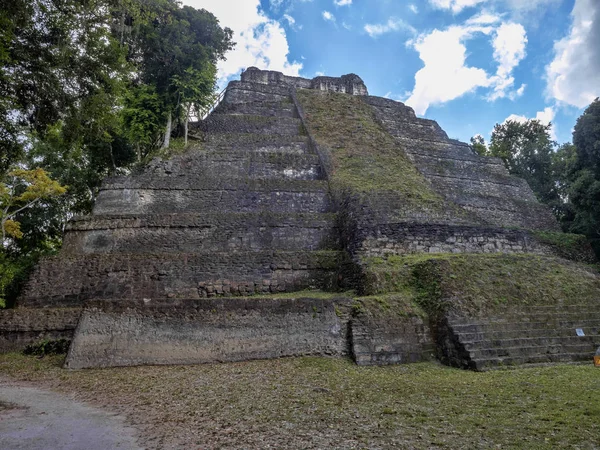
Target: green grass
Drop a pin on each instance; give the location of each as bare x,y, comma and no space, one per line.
331,403
365,157
479,284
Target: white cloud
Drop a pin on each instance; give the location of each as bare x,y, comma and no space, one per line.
319,74
261,42
413,8
517,7
393,24
445,75
347,26
342,2
545,117
292,22
455,5
328,16
509,50
573,76
484,18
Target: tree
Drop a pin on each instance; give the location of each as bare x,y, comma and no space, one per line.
583,176
526,149
479,146
21,190
586,137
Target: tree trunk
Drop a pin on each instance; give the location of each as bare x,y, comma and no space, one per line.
167,141
185,124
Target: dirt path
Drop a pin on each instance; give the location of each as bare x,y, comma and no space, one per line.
32,419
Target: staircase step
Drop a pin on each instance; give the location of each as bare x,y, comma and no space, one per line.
210,167
524,326
249,142
290,197
71,280
530,342
201,233
528,361
528,333
534,350
226,124
278,108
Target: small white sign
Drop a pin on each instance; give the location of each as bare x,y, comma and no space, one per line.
579,332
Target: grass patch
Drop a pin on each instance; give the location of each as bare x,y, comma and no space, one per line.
480,284
331,403
364,156
571,246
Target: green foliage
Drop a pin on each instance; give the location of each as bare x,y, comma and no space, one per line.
86,89
21,190
479,146
48,347
526,149
14,270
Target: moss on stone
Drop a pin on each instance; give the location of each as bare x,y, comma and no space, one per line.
365,158
482,284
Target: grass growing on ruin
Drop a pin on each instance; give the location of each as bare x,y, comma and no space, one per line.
365,157
332,403
482,284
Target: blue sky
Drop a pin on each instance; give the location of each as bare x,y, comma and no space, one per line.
468,64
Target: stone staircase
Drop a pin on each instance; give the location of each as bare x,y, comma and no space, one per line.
247,211
534,335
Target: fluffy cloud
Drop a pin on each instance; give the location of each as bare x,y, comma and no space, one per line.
445,75
413,8
516,6
455,5
574,75
509,50
546,116
328,16
261,42
393,24
342,2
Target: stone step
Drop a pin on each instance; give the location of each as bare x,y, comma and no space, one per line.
477,168
72,280
446,149
212,168
525,326
244,92
493,185
533,351
279,109
528,333
525,361
225,124
529,315
289,197
202,233
541,341
249,142
507,212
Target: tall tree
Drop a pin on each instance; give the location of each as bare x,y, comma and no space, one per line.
584,176
526,149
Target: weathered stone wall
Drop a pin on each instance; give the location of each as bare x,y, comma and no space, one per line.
201,331
71,280
390,340
479,185
24,326
348,84
211,232
402,238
